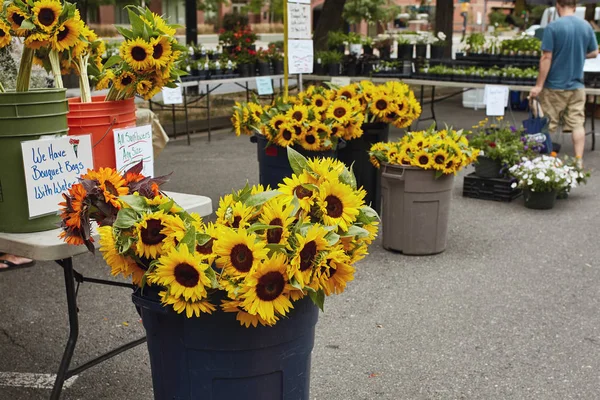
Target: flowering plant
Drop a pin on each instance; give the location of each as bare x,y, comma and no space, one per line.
148,58
266,250
446,151
547,174
439,40
239,41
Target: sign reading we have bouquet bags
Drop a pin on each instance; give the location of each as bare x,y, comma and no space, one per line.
51,167
133,145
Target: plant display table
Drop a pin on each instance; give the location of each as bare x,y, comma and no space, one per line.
46,246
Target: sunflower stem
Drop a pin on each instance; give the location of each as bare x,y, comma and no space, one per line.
25,65
112,95
55,63
84,81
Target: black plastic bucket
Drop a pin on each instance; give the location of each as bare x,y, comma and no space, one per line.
487,167
213,357
539,200
273,163
357,151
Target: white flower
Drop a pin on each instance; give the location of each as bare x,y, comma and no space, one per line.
441,36
541,176
530,182
513,185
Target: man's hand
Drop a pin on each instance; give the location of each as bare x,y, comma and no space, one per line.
535,92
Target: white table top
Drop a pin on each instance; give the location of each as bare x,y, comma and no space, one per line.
47,246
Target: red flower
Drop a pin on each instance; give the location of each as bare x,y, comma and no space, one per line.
492,145
252,52
248,40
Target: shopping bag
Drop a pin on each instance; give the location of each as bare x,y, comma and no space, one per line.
536,127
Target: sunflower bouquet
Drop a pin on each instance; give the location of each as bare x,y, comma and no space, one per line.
148,58
266,250
52,25
315,120
446,151
391,103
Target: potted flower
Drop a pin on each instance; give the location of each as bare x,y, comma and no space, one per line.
263,64
391,103
354,41
405,48
237,299
417,175
332,61
543,178
367,45
336,41
246,62
421,47
276,58
384,45
438,45
313,123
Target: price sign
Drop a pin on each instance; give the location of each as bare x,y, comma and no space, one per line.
264,85
301,58
299,24
133,145
495,98
172,95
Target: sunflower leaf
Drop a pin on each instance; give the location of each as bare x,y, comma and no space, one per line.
318,298
295,204
347,177
137,203
26,24
112,61
127,34
166,207
295,284
332,238
202,239
356,231
369,212
124,243
261,227
210,274
126,218
137,25
276,247
297,161
190,240
311,187
259,199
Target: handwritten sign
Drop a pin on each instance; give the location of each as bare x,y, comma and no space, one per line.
172,95
52,166
264,85
299,25
340,80
133,145
300,56
496,99
299,1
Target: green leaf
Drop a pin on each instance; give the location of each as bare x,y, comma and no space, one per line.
259,199
126,33
369,212
167,206
190,239
243,194
202,239
318,298
138,203
137,24
356,231
348,178
210,274
295,205
297,161
261,227
124,243
332,238
295,284
126,218
26,24
112,61
311,187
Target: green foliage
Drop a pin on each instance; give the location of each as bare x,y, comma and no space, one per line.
336,38
234,21
371,11
475,42
497,18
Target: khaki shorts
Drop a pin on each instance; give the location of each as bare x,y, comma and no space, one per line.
567,106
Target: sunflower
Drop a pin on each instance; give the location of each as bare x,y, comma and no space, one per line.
422,159
276,121
348,91
46,13
439,159
338,130
206,249
111,183
294,187
5,37
337,273
137,54
73,206
143,87
161,51
236,121
149,234
67,35
277,213
324,167
298,114
339,204
381,105
306,255
15,16
190,307
246,319
124,80
311,141
225,204
319,103
266,289
285,136
72,236
238,252
106,80
339,111
256,111
184,273
160,25
240,216
174,231
118,263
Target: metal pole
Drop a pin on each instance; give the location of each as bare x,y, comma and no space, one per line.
300,86
484,16
285,51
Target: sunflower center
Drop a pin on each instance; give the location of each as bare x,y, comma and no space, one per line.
241,257
339,112
302,192
439,159
63,33
449,164
401,106
206,248
2,33
277,124
423,160
319,103
236,221
334,130
126,80
332,271
307,255
310,139
335,207
347,94
138,53
46,16
151,234
270,286
392,115
18,19
297,130
158,51
297,115
381,104
274,235
110,188
186,275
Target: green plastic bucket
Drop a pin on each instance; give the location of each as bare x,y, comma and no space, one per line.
25,116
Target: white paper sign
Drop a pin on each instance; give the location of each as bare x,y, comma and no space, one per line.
592,65
299,25
133,145
299,1
300,56
264,85
495,98
340,80
172,95
479,18
52,166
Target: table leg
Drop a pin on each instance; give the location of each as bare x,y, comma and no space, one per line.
61,375
208,109
173,118
247,93
187,124
594,123
433,106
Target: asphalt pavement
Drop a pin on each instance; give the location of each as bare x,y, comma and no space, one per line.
508,311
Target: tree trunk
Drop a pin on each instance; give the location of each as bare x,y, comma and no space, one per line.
444,18
330,21
83,9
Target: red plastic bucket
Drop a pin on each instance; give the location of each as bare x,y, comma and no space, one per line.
100,118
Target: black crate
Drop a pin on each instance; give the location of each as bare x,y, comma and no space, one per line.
489,189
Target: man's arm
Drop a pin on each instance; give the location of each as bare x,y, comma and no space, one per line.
593,54
545,63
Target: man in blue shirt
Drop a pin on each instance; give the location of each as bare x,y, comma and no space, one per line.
567,42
